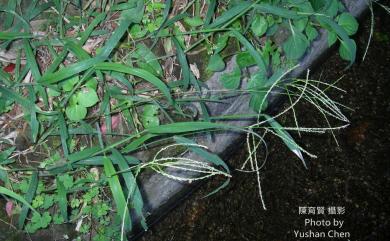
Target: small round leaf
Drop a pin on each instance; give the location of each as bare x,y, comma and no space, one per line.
76,112
87,97
349,23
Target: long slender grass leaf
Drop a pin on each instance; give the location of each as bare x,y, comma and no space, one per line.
17,197
117,193
62,199
286,137
135,197
28,199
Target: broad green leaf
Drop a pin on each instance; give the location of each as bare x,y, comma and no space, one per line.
216,63
231,80
150,116
259,25
68,84
244,59
76,112
311,32
296,45
136,31
332,38
300,24
221,43
348,43
87,97
349,23
251,50
347,53
6,153
257,81
332,9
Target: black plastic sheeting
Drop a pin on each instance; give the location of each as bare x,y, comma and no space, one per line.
161,194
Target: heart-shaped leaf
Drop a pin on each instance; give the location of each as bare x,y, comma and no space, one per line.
347,52
149,116
296,45
76,112
259,25
349,23
231,80
87,97
216,63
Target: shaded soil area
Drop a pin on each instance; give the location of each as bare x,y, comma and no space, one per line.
354,175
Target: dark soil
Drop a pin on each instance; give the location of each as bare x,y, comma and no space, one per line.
354,175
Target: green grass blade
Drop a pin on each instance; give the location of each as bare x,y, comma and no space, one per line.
286,137
117,193
230,14
252,51
183,127
63,134
34,124
11,6
135,197
28,199
183,63
210,12
278,11
139,73
14,36
62,199
128,17
136,143
17,197
69,71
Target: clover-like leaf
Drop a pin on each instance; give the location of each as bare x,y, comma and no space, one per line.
259,25
347,52
231,80
149,116
349,23
66,180
296,45
216,63
70,83
311,32
87,97
76,112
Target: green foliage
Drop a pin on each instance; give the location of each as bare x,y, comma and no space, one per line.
216,63
150,116
296,45
89,173
348,22
231,80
